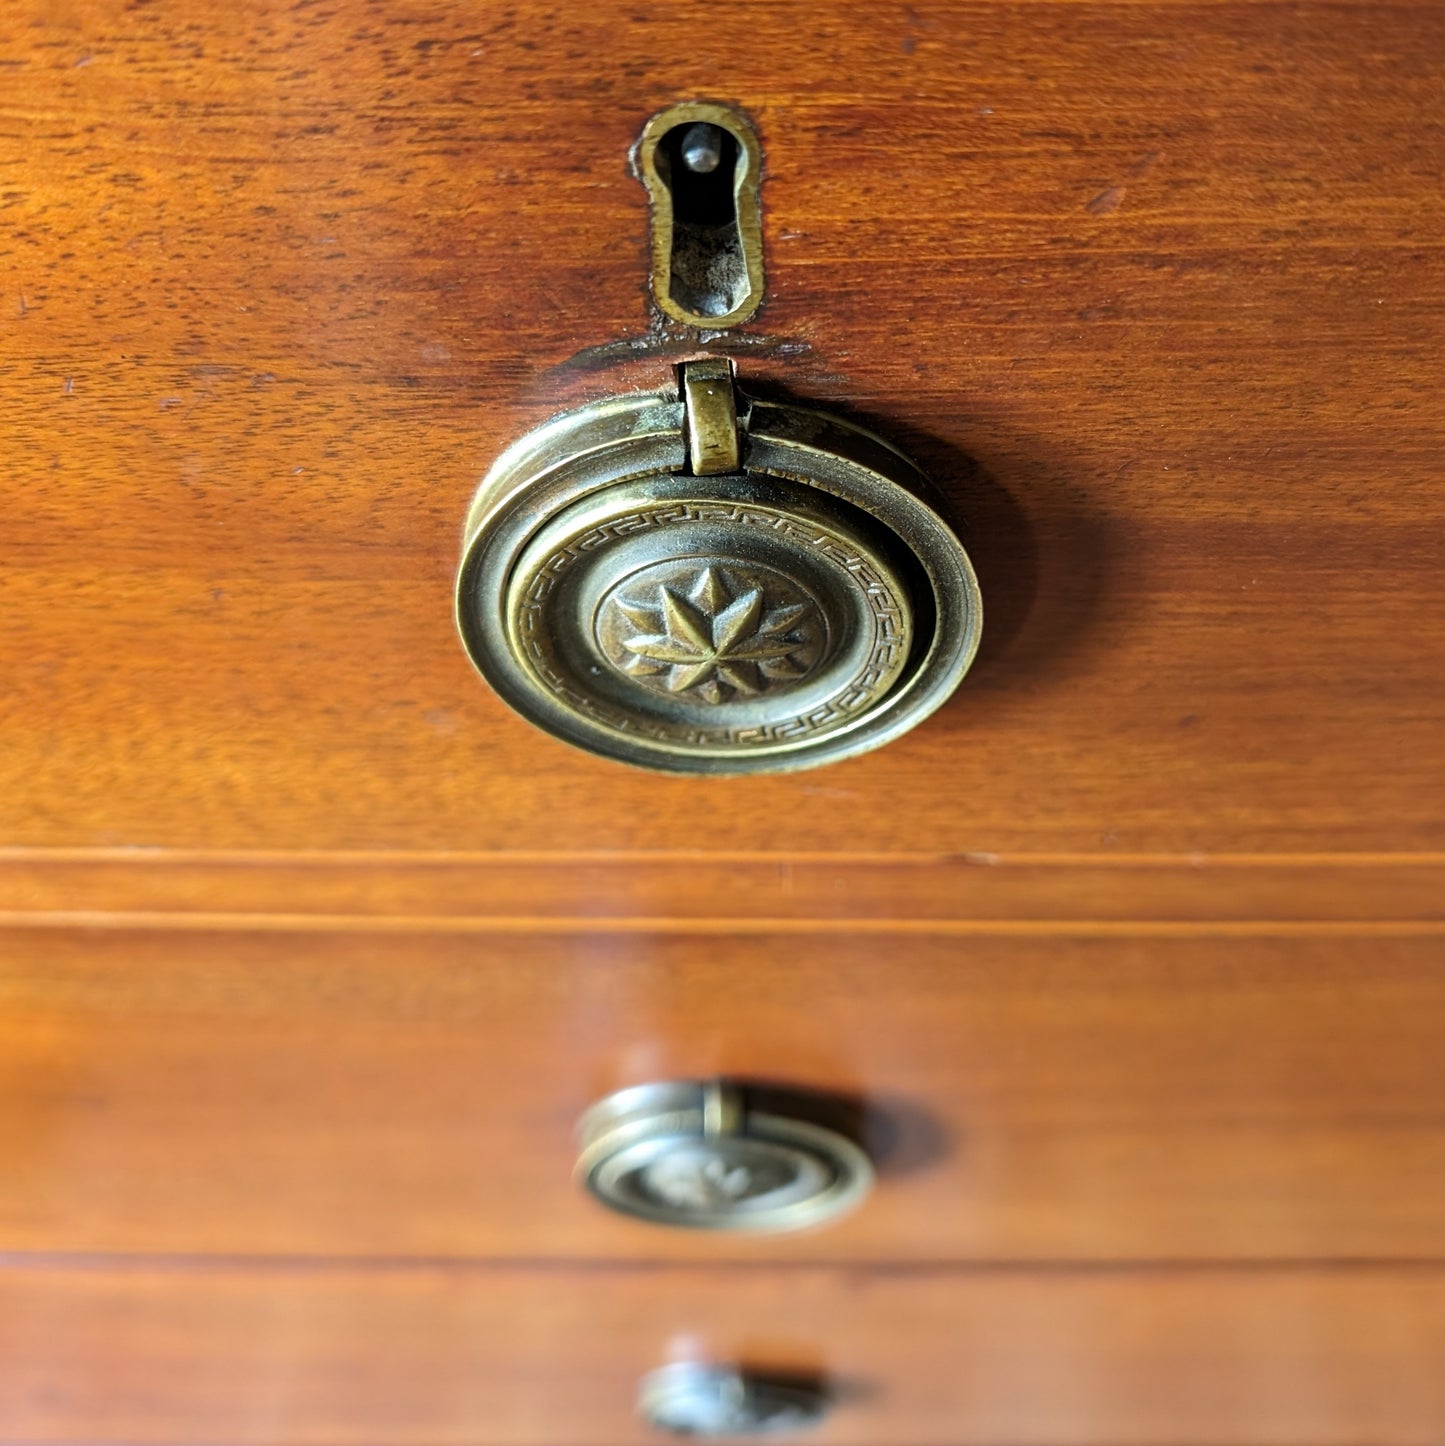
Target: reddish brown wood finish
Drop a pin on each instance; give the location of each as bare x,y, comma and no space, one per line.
1052,1097
889,893
283,280
526,1357
312,950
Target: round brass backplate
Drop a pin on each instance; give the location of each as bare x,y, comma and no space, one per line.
795,602
712,1156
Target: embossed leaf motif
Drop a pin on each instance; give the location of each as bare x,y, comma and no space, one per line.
713,643
700,1184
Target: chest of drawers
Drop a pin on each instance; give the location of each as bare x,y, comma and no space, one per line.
312,953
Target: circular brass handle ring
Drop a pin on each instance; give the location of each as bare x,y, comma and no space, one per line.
711,1155
695,1398
804,605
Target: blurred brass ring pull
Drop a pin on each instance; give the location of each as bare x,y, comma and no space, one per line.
716,1156
699,582
690,1398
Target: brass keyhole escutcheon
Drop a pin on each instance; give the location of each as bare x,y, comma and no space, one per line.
702,166
696,581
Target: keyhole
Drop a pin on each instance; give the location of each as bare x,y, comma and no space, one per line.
701,163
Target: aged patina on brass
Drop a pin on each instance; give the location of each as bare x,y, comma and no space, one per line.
702,166
695,581
712,1155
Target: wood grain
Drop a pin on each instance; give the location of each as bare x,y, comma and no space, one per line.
1029,1099
882,893
520,1356
1153,289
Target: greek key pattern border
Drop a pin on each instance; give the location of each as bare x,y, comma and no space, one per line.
858,694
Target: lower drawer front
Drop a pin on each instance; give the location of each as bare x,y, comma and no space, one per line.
541,1356
1032,1098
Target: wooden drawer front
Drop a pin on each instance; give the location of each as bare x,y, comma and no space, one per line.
1168,273
1037,1097
531,1356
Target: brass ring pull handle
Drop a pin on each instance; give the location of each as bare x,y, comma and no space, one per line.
692,1398
712,1155
699,582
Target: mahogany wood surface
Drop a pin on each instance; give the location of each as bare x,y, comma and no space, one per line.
281,280
1029,1098
729,894
526,1356
310,952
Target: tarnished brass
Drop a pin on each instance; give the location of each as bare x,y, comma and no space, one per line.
693,581
710,409
716,1156
691,1398
702,167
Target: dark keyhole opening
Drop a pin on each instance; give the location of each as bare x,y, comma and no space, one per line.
709,271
